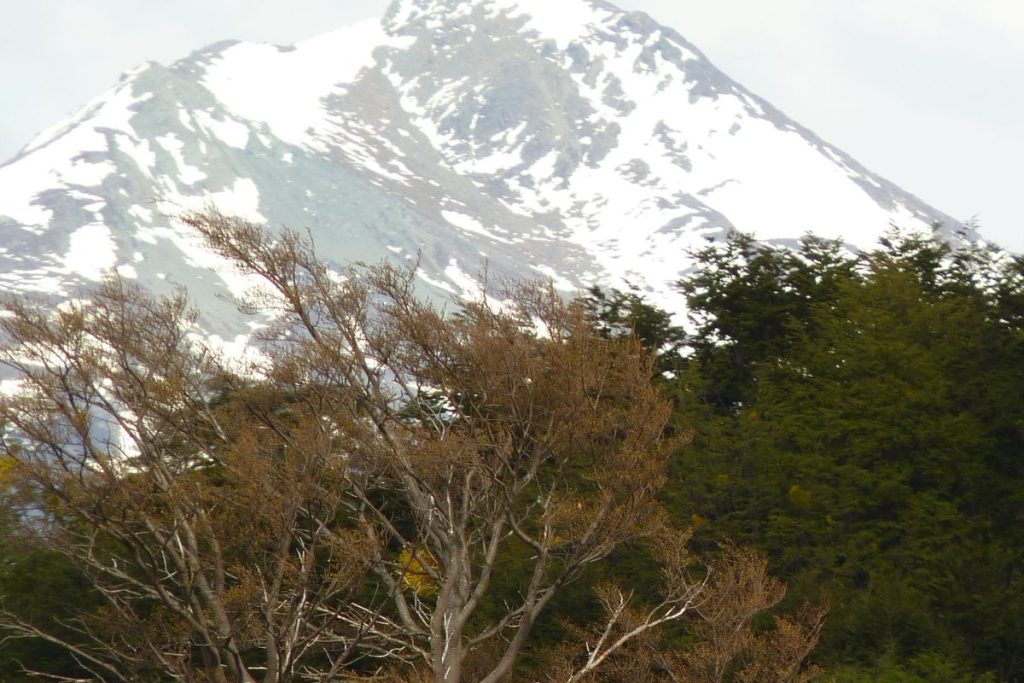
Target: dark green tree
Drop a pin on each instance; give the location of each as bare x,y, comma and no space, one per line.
746,300
615,313
860,420
37,585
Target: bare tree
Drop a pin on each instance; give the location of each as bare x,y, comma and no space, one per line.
341,506
189,517
348,498
722,643
728,647
502,424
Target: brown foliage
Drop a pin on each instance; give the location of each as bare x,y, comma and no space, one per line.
256,524
249,526
721,643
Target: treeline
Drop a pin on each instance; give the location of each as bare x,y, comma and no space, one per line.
859,418
836,430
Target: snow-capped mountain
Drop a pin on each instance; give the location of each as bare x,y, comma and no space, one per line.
563,139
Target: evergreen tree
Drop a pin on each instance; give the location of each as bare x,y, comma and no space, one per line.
860,420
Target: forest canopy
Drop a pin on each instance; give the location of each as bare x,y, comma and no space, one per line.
859,418
542,490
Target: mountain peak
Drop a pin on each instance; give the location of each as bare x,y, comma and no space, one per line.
561,139
563,22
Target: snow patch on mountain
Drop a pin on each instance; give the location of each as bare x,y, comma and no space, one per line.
564,22
138,151
284,87
241,199
471,225
70,154
93,252
228,131
188,175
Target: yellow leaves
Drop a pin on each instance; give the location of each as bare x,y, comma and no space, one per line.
799,496
416,566
8,470
568,518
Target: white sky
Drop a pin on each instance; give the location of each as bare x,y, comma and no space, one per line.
928,93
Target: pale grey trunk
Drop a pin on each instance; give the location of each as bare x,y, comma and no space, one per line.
447,647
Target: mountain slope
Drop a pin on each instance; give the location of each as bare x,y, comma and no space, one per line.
568,139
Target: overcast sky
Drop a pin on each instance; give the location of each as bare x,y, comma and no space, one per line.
928,93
